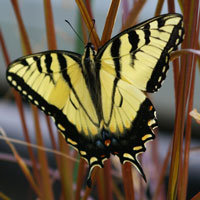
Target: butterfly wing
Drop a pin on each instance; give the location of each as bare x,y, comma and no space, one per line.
135,60
140,55
54,82
129,116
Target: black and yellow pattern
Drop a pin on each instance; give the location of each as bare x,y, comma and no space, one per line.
97,100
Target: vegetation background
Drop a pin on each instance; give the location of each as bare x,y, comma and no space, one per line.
58,172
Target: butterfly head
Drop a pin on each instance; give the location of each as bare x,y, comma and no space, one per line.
89,51
88,56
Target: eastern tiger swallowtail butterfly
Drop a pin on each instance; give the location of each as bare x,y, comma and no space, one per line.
97,99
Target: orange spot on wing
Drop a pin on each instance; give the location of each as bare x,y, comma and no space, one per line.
107,142
151,108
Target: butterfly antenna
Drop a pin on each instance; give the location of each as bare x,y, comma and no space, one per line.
74,31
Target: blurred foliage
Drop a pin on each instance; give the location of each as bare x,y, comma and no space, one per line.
114,183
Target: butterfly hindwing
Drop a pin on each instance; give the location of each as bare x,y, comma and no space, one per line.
129,116
140,55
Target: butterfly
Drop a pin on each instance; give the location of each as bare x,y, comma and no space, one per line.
97,99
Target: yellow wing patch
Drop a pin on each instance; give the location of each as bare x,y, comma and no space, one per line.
57,80
142,52
120,102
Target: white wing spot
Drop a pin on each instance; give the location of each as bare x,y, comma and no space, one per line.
24,92
171,49
155,114
19,87
180,32
93,159
160,78
127,155
9,78
70,140
151,122
83,153
137,148
42,107
36,102
177,41
147,136
30,97
14,83
164,68
62,129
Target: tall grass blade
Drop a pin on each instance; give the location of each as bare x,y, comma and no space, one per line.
89,23
46,183
66,171
110,20
21,113
23,166
128,181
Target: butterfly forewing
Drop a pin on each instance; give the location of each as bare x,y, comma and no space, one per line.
140,55
53,81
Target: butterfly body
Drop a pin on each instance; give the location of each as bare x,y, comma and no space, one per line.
97,99
91,74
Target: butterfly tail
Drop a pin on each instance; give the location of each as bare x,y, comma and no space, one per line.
92,165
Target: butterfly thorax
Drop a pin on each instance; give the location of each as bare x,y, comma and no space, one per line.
87,60
91,75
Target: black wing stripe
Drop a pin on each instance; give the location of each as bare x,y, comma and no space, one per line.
48,61
38,64
63,68
147,33
24,62
73,104
161,22
133,39
115,53
115,48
